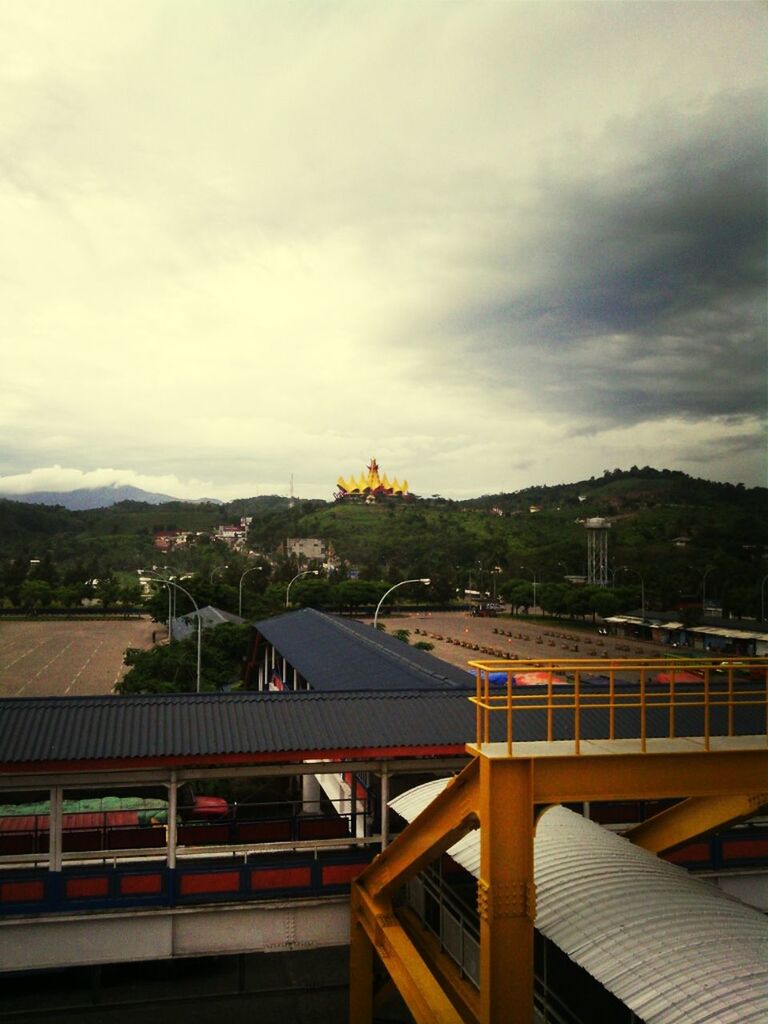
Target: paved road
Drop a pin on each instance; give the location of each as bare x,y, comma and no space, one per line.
44,659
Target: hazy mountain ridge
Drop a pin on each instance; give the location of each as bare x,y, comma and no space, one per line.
85,498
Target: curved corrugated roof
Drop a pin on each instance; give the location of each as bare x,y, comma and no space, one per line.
675,949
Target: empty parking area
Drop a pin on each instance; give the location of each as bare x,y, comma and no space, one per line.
53,659
450,631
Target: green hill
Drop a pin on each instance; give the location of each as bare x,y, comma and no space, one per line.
667,526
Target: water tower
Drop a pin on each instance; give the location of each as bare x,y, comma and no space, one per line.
597,551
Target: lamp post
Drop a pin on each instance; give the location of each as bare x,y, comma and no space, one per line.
307,572
535,581
178,586
215,569
762,598
256,568
626,568
402,583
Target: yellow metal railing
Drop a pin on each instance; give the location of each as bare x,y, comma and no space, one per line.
642,684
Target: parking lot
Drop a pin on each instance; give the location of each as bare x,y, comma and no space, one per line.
447,631
49,658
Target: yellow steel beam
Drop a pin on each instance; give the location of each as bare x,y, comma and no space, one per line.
361,974
421,991
462,993
449,817
506,899
500,795
648,776
697,816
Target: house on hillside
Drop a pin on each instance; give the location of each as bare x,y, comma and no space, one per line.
167,540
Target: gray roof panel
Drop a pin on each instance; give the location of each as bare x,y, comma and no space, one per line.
333,653
66,729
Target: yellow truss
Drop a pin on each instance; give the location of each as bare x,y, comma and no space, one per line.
499,792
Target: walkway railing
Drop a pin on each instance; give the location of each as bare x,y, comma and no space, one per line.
639,699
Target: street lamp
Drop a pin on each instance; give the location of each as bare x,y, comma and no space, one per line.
256,568
215,569
762,598
161,579
626,568
307,572
535,581
402,583
169,584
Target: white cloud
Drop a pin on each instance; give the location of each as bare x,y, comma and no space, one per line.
242,240
61,478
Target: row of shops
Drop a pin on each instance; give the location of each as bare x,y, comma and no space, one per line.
735,637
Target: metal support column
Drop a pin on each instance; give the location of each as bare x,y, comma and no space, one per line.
171,827
384,806
55,828
506,900
361,971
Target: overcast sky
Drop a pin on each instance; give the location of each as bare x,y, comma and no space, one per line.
492,244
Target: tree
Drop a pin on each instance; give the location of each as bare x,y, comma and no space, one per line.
34,594
129,593
172,668
107,589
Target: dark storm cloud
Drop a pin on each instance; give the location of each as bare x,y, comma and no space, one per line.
645,283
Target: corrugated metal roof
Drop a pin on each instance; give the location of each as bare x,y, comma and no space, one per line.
193,725
186,625
188,725
675,949
735,634
332,653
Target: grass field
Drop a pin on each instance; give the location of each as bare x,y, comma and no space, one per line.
69,658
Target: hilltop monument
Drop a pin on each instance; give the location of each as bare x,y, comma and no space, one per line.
370,485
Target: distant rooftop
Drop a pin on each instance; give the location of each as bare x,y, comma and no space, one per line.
333,653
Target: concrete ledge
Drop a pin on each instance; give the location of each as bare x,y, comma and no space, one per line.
34,943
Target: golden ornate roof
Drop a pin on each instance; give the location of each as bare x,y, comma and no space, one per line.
371,482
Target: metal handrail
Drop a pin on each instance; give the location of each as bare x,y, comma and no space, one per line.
715,689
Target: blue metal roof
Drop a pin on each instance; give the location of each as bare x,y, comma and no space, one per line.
333,653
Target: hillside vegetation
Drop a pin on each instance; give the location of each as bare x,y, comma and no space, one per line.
666,527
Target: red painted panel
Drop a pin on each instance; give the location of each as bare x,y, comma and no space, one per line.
693,852
745,849
21,892
281,878
77,888
141,885
339,874
19,842
263,831
322,828
82,839
220,881
198,835
139,838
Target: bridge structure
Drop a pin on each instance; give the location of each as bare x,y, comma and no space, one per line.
281,876
705,745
